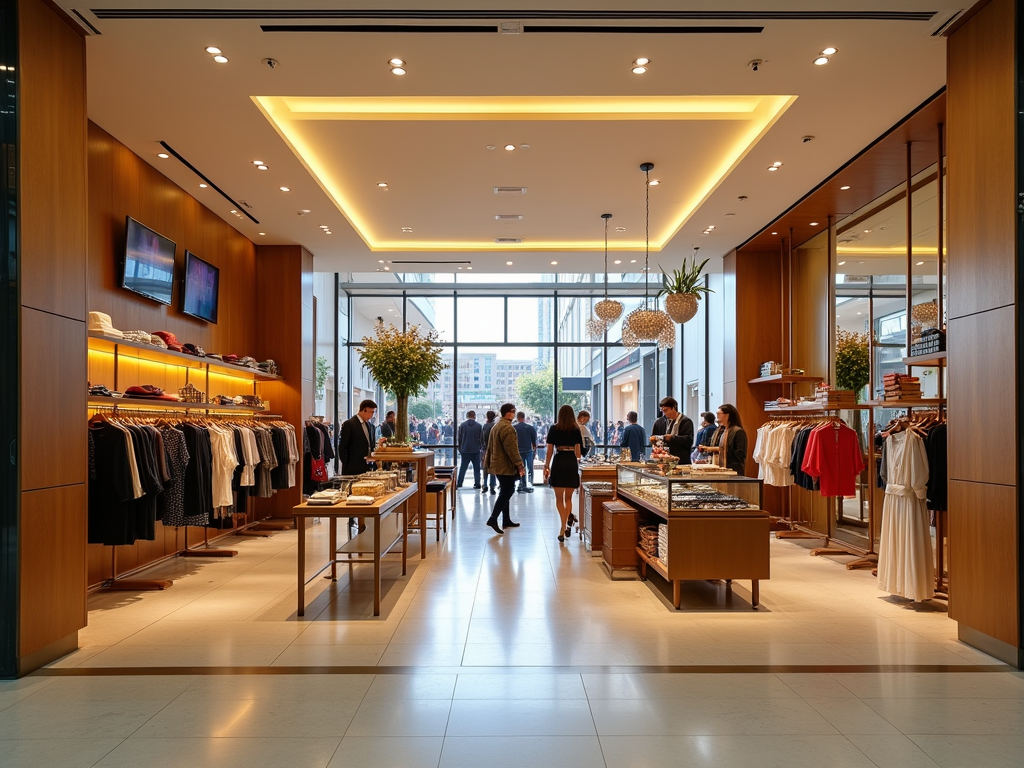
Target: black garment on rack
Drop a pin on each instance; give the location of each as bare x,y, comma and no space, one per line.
314,443
174,493
111,491
279,475
152,486
198,475
797,452
938,468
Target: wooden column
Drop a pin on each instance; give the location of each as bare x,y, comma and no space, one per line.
984,144
284,291
52,456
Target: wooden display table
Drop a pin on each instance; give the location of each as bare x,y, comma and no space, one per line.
369,546
420,460
708,544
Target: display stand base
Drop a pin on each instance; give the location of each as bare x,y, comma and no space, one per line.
208,553
274,524
798,535
863,563
142,585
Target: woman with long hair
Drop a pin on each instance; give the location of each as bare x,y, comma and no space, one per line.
731,438
561,465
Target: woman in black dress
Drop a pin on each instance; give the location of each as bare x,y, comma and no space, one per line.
561,465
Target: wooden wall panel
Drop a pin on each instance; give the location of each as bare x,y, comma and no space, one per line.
810,311
981,140
53,425
52,194
123,184
983,530
285,281
983,421
52,564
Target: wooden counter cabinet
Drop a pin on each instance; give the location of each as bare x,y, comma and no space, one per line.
703,543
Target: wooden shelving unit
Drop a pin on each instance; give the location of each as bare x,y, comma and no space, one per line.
931,402
786,378
926,361
101,343
169,405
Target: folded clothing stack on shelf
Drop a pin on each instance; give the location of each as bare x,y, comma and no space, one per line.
149,392
663,543
649,540
832,399
360,501
899,386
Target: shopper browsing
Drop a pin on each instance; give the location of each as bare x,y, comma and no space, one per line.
679,435
503,460
633,438
561,467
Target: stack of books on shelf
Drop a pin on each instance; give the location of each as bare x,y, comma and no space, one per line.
899,386
833,399
663,543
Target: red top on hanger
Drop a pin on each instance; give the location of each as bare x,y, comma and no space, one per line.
834,456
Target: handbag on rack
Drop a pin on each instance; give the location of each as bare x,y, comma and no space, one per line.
318,470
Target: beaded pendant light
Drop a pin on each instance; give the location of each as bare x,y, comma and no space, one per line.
646,323
607,310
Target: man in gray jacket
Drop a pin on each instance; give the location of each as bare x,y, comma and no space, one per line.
471,437
503,460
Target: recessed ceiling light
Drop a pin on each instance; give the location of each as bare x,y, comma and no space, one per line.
469,268
867,231
258,162
398,70
639,70
711,226
773,168
632,261
844,188
221,59
524,146
829,51
777,164
396,62
233,210
508,263
821,61
775,233
654,182
262,168
162,155
920,263
387,269
285,189
328,232
212,49
618,261
491,146
553,263
510,147
642,61
841,263
324,226
262,234
814,223
202,186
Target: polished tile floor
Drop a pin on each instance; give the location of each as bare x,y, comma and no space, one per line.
517,651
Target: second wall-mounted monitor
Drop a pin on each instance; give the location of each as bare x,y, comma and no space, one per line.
202,282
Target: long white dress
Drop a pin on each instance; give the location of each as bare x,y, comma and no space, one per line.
905,565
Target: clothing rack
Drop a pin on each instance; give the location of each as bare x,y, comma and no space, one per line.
206,550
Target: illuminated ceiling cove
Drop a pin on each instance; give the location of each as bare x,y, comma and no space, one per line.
513,142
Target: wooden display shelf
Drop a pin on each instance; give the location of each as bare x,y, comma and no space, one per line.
935,358
896,405
655,563
785,378
169,405
816,410
159,354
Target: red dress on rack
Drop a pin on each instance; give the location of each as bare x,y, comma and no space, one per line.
834,457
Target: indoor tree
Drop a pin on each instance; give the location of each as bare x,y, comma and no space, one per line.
403,363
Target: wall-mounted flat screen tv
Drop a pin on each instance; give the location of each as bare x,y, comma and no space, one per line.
202,281
148,262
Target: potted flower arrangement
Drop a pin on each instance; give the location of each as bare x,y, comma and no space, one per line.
682,291
853,364
403,363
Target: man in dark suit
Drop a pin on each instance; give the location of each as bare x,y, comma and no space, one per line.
679,430
660,426
358,439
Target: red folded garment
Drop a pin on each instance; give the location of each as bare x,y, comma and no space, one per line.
149,392
170,340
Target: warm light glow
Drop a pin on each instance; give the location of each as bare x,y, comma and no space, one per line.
639,70
844,188
554,263
773,168
289,116
829,51
654,182
212,49
221,59
510,147
258,162
642,61
202,186
396,62
162,155
841,263
262,168
775,233
508,263
261,233
814,223
382,184
777,164
397,71
892,250
285,189
618,261
821,61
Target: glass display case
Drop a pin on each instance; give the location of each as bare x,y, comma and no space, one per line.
685,492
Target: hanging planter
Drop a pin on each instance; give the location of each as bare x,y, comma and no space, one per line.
682,290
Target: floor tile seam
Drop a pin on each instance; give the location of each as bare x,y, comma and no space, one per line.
883,765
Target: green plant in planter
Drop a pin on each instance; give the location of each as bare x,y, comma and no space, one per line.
853,364
323,370
682,289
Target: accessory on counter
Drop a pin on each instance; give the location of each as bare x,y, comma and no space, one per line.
156,341
213,357
99,322
150,392
269,366
249,362
230,358
170,340
99,390
253,401
225,400
194,349
361,501
189,394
